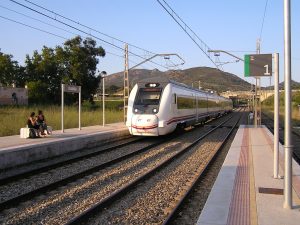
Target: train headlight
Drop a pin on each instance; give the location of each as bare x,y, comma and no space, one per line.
155,110
136,110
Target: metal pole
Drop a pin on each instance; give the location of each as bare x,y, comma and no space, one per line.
259,101
79,110
255,104
276,114
126,82
287,112
103,100
62,107
257,85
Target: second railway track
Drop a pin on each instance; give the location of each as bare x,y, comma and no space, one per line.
269,123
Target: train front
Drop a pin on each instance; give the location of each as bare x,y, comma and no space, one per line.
143,109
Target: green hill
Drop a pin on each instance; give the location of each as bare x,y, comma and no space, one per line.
210,78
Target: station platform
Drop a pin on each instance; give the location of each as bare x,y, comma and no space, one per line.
245,191
15,151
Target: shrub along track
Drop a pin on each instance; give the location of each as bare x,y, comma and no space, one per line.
72,197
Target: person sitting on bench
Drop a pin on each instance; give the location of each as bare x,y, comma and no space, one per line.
32,123
41,120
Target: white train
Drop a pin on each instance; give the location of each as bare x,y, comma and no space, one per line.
157,106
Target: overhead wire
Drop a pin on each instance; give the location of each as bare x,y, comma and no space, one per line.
53,34
71,20
30,17
35,28
263,20
184,27
51,25
82,31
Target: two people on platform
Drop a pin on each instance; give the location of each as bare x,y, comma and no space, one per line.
38,122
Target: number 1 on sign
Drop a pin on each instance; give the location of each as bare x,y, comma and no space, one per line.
267,70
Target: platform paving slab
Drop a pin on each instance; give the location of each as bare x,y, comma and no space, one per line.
16,151
261,208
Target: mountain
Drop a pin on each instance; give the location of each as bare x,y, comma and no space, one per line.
210,78
294,85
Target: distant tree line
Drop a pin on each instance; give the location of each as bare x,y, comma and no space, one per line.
75,62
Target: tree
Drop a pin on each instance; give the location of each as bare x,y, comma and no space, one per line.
80,63
9,70
75,61
43,67
36,92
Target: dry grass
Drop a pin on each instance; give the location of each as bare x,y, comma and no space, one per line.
13,118
295,114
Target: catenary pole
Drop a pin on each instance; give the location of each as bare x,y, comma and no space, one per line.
288,148
79,109
62,107
103,100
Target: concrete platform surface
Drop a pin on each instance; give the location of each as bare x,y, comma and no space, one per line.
17,151
245,191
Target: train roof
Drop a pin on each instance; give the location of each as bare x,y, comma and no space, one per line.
165,80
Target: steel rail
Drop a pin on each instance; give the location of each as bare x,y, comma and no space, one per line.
281,139
270,118
29,195
13,178
122,191
200,175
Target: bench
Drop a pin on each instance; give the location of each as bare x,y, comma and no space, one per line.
24,132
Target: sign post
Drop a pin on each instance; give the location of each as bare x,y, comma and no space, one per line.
70,89
276,115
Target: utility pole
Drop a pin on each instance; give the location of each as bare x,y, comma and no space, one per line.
126,83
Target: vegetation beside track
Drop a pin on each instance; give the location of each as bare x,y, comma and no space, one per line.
13,118
268,108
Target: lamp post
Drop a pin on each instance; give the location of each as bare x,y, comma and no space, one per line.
103,74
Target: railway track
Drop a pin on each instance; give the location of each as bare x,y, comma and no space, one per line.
14,174
158,195
269,123
18,181
75,197
202,173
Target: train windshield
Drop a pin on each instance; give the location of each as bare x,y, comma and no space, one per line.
148,96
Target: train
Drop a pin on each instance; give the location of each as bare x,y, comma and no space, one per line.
157,106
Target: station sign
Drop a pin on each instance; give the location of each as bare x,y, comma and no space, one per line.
72,88
258,65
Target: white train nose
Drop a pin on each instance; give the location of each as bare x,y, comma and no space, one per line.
144,125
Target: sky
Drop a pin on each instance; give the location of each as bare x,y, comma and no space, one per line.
229,25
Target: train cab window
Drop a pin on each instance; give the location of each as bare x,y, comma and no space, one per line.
148,96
